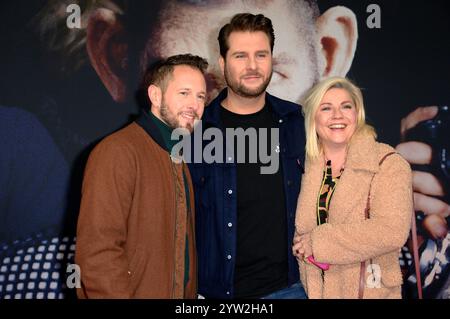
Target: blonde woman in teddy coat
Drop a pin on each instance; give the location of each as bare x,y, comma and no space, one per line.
344,163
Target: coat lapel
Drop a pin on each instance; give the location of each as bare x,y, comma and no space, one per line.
352,188
354,184
306,219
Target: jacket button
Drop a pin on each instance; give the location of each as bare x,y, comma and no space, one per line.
229,257
280,121
289,183
230,225
230,191
202,179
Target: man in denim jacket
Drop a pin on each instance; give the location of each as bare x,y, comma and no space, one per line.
246,206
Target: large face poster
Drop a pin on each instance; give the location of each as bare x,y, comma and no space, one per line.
71,69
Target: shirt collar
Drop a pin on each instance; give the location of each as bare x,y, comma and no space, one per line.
281,108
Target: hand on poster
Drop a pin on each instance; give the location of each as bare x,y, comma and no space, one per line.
425,136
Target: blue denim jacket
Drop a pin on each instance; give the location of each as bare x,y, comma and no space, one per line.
216,204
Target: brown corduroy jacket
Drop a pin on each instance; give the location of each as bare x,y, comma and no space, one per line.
133,222
348,238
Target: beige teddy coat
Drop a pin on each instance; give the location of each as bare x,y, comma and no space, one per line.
347,238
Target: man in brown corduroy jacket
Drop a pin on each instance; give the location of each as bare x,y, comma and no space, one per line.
135,235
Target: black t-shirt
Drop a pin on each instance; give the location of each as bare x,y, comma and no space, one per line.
261,260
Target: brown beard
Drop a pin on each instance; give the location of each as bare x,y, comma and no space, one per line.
243,91
171,120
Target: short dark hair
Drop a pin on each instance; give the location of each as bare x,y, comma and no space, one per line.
245,22
161,71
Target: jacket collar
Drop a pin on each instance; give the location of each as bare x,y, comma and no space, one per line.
362,156
211,115
146,122
362,153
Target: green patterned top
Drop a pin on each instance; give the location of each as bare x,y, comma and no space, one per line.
326,192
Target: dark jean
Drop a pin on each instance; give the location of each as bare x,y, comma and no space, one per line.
294,291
